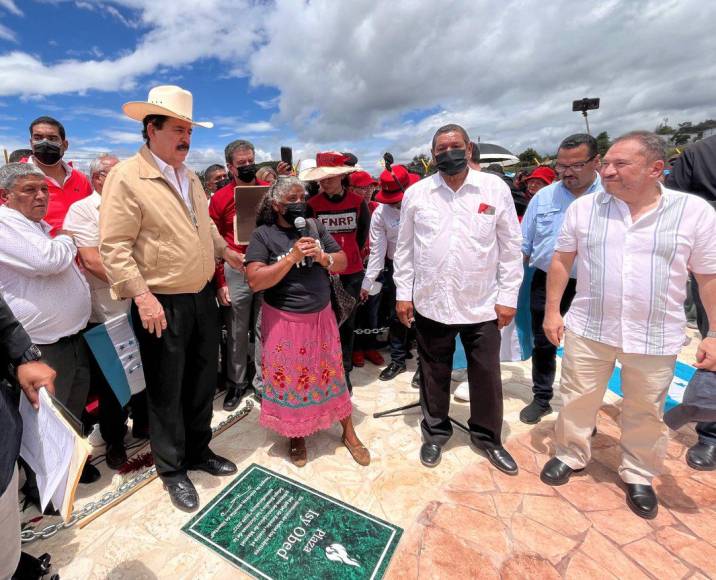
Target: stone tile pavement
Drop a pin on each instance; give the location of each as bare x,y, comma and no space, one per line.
484,524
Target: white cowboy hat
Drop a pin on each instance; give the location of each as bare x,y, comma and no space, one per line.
328,164
168,100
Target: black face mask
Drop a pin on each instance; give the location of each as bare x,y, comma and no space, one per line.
246,173
47,152
451,162
294,210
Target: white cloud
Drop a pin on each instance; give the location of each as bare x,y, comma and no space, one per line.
122,137
11,7
173,40
248,127
368,76
508,73
7,34
268,103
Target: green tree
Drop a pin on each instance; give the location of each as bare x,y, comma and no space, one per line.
530,157
421,165
603,142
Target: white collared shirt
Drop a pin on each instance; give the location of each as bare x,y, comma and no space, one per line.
459,252
83,220
383,236
40,279
181,185
631,277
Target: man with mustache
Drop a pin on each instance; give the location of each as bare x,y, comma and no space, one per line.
66,185
158,246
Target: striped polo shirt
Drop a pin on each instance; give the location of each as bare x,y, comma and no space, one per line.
631,277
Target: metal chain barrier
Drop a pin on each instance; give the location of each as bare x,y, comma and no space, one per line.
371,330
28,536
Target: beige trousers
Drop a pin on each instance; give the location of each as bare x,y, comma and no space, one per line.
9,529
586,369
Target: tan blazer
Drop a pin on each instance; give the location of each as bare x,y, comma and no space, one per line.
148,238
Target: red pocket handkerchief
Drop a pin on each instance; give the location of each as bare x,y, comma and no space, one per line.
486,209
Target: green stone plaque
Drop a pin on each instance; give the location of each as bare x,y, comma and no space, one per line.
276,528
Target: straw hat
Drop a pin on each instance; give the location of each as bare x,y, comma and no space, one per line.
168,100
328,164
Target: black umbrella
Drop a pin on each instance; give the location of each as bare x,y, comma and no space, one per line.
491,153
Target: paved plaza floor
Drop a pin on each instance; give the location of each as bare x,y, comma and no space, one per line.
462,519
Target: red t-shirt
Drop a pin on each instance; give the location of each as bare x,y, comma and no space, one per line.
341,219
75,188
222,210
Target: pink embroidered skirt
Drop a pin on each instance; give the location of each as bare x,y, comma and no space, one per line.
304,383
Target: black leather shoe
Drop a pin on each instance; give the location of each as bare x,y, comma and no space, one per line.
430,454
116,455
534,412
497,455
183,494
702,457
90,474
391,371
641,499
232,398
415,383
556,472
216,465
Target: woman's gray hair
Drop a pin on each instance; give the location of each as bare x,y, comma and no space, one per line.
11,172
265,214
282,186
96,165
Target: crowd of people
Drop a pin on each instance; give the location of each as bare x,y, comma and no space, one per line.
608,246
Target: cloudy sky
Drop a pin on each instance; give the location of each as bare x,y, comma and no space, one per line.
355,75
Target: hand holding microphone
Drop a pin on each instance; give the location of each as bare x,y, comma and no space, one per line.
309,246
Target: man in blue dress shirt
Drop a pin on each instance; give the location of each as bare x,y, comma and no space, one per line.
577,164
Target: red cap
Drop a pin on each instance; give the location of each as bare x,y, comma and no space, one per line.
542,173
390,191
362,179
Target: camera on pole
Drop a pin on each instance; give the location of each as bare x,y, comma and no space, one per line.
585,105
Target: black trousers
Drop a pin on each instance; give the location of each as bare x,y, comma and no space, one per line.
351,283
544,353
180,371
705,430
398,337
70,357
436,346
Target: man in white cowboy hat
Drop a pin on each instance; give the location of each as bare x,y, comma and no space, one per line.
346,217
158,246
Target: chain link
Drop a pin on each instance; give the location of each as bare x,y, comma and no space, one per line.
88,509
371,330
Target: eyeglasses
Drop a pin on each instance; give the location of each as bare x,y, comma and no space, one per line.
576,167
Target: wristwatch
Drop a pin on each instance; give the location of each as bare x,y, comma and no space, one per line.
330,262
33,353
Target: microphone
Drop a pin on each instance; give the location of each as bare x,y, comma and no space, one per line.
300,224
